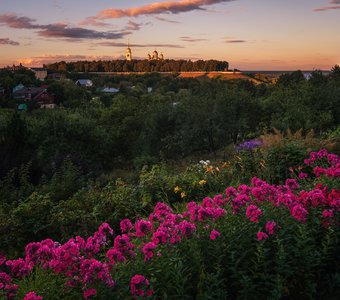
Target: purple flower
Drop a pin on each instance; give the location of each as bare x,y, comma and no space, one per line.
249,145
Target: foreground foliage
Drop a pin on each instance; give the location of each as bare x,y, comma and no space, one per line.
253,241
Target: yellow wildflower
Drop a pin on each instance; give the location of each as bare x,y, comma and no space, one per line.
202,182
177,189
183,195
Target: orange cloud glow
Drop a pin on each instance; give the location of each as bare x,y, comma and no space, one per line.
157,8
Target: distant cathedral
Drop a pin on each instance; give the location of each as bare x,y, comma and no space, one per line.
155,56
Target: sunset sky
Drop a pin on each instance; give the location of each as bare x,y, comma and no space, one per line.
250,34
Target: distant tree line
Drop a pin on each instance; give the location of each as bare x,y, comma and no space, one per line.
167,65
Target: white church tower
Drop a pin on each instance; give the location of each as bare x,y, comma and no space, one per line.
128,53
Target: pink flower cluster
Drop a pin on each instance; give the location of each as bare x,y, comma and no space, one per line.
7,289
139,286
324,163
253,213
86,263
32,296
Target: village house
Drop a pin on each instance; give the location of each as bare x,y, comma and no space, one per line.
37,94
18,87
84,82
110,90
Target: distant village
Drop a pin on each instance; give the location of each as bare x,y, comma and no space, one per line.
39,92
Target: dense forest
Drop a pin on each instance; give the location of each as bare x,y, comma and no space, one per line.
167,65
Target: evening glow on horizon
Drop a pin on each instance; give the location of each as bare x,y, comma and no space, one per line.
249,34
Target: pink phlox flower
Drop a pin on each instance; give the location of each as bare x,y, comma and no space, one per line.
299,213
11,291
208,202
239,201
318,171
187,228
65,257
333,159
41,252
303,198
160,236
92,270
103,232
139,286
219,200
230,192
125,225
175,238
148,250
333,172
114,256
244,189
209,212
123,242
253,213
317,197
258,193
256,182
19,267
261,236
192,210
5,279
89,293
328,213
270,227
292,183
32,296
214,234
334,199
162,209
92,246
143,227
288,199
303,175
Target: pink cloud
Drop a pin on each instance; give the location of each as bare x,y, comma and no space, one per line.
13,21
332,7
7,41
170,7
58,30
